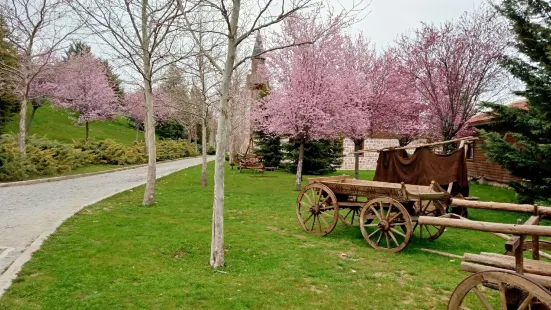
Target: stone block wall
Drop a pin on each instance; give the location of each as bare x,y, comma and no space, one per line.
369,160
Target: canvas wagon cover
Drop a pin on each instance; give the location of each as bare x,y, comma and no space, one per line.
422,167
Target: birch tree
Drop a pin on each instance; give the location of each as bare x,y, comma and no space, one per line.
38,29
143,35
235,29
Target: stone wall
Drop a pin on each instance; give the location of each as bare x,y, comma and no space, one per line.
369,160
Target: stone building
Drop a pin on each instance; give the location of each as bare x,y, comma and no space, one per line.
368,161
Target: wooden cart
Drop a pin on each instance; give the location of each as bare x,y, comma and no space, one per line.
386,212
504,281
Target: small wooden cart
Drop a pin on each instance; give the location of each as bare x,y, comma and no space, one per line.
386,212
508,281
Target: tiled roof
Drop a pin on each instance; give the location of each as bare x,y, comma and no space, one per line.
484,118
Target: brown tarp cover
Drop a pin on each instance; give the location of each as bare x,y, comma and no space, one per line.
422,167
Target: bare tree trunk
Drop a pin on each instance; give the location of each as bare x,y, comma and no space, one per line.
137,131
217,244
357,147
87,130
212,133
149,194
23,127
31,119
188,135
298,180
204,149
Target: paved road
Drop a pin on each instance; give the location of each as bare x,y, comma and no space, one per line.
31,212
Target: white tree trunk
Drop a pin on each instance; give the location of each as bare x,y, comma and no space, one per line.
23,127
298,180
204,148
217,244
149,195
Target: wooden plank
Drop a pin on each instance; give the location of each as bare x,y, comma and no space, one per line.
472,267
351,203
508,262
533,230
339,178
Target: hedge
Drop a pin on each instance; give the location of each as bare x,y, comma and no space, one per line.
50,158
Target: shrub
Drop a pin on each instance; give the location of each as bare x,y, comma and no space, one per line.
46,157
211,150
320,157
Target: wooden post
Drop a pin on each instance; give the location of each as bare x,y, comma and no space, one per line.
519,251
536,239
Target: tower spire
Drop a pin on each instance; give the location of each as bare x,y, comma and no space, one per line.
258,48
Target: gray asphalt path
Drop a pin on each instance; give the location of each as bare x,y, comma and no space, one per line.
32,212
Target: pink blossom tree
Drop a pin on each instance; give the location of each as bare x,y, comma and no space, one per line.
134,107
299,105
455,65
373,97
83,86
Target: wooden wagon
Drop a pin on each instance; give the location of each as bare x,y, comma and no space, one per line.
508,281
385,212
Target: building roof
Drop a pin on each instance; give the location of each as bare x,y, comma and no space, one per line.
485,118
258,48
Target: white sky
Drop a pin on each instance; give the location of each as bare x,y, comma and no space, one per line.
388,19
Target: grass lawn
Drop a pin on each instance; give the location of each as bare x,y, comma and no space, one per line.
117,254
60,125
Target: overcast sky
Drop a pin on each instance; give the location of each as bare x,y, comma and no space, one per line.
388,19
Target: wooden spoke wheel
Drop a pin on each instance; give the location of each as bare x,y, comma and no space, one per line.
429,208
499,290
385,224
350,216
317,209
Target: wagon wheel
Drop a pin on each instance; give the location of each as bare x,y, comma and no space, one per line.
429,208
317,209
510,291
386,215
351,216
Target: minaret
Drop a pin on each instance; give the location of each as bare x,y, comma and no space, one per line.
257,80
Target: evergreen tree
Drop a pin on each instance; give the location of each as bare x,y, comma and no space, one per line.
530,157
268,146
320,156
8,56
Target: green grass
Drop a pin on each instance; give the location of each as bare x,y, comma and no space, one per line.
117,254
60,125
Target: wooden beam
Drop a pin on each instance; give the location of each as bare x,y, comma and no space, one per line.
490,205
472,267
441,253
533,230
508,262
466,139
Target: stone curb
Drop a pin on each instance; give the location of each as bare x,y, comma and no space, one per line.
75,176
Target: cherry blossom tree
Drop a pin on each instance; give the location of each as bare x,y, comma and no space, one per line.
37,29
455,65
134,107
307,86
83,86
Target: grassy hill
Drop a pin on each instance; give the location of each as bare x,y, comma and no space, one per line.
58,124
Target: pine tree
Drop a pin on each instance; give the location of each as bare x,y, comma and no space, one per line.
530,157
267,146
320,156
